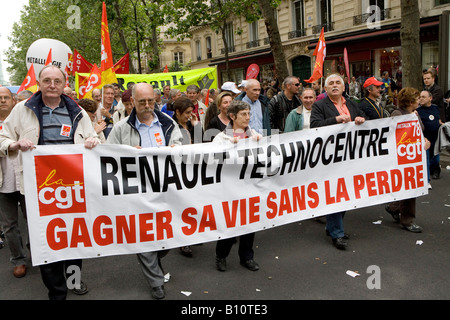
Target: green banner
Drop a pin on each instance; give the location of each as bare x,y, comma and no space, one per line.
205,78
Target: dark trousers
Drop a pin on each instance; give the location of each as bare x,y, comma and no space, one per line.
9,220
407,210
54,277
245,251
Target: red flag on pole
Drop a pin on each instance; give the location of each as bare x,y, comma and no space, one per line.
123,65
107,64
30,81
347,67
49,58
94,81
320,52
80,64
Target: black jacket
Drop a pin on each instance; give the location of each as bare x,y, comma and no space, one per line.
280,107
324,112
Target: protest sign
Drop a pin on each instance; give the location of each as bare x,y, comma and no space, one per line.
205,78
118,200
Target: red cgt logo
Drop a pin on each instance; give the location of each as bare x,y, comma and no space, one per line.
409,142
60,183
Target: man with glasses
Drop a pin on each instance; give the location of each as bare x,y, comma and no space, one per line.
49,117
147,127
283,103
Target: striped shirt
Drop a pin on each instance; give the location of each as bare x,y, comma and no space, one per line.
57,125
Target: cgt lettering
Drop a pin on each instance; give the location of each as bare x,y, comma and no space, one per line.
410,151
60,184
62,195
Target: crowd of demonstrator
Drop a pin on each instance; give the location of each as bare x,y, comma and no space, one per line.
145,117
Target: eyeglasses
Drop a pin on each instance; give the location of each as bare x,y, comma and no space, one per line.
297,84
56,82
144,102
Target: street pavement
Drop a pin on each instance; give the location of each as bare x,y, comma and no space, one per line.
297,262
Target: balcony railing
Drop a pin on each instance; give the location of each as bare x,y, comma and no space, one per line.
252,44
362,18
297,33
326,27
230,50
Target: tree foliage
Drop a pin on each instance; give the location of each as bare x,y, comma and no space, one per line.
48,19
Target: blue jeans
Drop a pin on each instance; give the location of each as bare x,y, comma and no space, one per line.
335,224
432,164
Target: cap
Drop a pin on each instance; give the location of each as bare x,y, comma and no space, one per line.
243,83
372,81
230,86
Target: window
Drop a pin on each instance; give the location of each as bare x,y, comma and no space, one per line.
439,2
253,35
198,50
299,15
229,35
178,57
208,48
253,31
325,14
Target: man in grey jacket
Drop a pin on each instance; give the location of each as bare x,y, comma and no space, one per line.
147,127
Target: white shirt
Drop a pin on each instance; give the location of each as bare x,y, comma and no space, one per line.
306,118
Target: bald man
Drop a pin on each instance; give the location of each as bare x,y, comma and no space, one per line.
147,127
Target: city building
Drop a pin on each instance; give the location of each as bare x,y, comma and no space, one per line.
368,29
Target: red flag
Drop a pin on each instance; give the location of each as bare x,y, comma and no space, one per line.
49,58
94,80
123,65
30,81
69,63
80,64
107,60
106,68
347,68
320,52
207,99
166,70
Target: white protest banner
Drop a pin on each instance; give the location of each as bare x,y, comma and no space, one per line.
119,200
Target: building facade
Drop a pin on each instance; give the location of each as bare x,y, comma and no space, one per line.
368,29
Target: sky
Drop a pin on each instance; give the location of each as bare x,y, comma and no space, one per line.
10,14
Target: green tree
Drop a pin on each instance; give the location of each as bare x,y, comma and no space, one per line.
48,19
